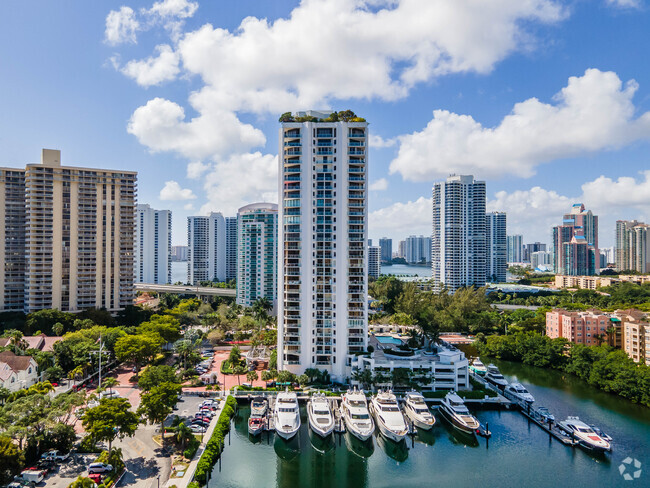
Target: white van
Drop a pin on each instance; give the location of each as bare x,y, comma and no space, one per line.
33,475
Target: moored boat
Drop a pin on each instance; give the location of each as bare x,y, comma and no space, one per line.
390,419
519,393
585,435
354,410
453,410
319,412
286,414
259,407
478,367
255,425
495,377
417,410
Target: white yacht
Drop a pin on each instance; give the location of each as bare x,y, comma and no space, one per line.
286,415
321,418
453,409
478,367
585,435
259,407
389,418
354,410
495,377
417,410
519,393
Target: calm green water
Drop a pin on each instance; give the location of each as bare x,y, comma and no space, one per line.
518,454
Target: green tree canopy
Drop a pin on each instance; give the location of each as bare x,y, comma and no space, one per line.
11,459
111,419
155,375
158,403
138,348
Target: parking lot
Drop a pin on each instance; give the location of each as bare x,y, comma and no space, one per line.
144,459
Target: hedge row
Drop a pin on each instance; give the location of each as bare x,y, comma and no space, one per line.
215,445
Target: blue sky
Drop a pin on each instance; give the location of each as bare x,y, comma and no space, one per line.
548,101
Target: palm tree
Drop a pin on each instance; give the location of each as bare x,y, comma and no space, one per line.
251,376
4,394
110,382
75,373
183,434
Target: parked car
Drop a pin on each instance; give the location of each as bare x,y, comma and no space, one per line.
99,468
200,423
33,475
55,455
197,429
199,416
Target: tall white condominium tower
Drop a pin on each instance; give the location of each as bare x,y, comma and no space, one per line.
153,245
374,261
323,268
257,263
458,243
67,237
231,248
495,234
206,248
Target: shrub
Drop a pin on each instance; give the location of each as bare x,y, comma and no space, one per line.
216,443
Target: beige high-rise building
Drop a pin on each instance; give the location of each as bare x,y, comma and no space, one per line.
68,237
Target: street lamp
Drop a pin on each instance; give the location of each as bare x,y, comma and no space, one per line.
158,478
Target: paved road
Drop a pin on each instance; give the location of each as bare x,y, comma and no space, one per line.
187,290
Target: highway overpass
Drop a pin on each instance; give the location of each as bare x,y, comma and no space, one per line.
200,291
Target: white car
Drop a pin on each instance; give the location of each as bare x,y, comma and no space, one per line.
99,468
55,455
197,429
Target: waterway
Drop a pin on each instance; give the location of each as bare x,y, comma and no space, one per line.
518,454
179,271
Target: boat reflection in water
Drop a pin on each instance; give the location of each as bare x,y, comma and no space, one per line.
363,449
460,438
321,444
398,451
287,449
427,437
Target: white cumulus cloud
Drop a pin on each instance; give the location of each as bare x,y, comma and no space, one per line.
624,3
161,126
402,219
121,26
593,112
379,185
240,180
379,142
174,8
155,69
173,191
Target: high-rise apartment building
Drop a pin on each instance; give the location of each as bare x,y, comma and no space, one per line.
531,248
153,245
231,248
458,244
540,259
374,261
68,237
607,256
401,249
515,249
632,246
575,243
495,236
206,248
417,249
386,246
179,253
323,268
257,275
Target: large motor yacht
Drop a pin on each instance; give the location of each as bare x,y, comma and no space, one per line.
389,417
321,418
585,435
453,410
417,410
286,414
354,410
519,393
495,377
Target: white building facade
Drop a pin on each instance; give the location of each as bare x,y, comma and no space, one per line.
458,243
322,267
515,248
206,248
153,245
257,262
231,248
